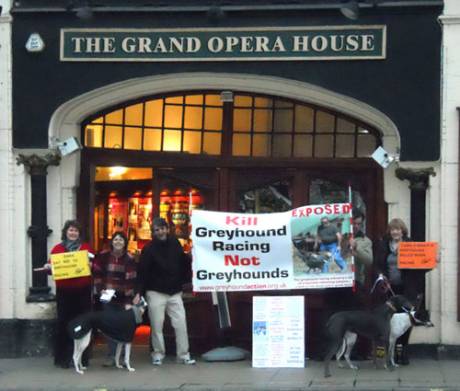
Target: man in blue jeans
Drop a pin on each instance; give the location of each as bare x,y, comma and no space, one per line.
328,238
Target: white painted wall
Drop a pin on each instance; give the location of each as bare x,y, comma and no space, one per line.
448,182
6,168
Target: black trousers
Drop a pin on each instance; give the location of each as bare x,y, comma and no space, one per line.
70,302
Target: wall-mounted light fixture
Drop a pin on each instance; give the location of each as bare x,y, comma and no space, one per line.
350,9
82,9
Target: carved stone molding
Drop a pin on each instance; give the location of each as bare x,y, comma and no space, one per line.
38,165
418,178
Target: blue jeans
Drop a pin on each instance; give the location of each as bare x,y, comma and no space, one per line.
335,250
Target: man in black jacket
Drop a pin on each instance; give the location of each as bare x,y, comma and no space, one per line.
164,268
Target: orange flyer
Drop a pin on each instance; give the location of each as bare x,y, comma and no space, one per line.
417,255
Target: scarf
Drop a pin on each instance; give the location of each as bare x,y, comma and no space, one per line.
71,245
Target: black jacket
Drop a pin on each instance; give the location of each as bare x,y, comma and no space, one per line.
164,267
412,280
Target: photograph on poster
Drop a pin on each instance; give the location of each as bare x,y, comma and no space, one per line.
320,243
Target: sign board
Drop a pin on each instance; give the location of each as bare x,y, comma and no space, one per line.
70,265
363,42
417,255
278,332
270,251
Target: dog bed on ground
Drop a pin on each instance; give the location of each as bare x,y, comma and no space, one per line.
228,353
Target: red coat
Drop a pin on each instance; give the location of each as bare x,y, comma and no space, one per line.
78,282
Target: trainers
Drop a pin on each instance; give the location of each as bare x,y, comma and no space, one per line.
187,361
157,361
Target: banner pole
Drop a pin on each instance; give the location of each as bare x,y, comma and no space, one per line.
350,199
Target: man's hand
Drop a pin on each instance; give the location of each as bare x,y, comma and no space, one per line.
136,299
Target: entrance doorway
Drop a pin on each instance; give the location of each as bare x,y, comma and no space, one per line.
246,153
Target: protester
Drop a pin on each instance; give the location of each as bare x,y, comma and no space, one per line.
402,281
164,269
73,295
116,270
361,247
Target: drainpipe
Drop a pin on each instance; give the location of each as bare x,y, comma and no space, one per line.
39,231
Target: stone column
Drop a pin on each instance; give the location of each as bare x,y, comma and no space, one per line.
39,231
418,184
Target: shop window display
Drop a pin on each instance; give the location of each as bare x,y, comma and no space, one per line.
125,202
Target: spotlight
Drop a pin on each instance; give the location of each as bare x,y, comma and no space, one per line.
84,13
215,13
350,9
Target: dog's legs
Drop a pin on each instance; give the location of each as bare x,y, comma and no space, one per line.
341,351
80,346
391,350
333,348
351,340
117,355
128,357
76,357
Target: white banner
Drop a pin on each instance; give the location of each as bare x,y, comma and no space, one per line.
303,248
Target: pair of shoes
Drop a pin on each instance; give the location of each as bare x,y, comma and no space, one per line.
157,361
187,361
109,362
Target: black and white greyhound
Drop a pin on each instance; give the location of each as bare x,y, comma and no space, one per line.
117,325
399,324
374,324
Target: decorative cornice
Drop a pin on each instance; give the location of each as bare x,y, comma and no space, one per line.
37,165
418,178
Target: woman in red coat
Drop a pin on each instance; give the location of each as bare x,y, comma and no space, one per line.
73,295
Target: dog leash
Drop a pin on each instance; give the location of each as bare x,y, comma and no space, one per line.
386,283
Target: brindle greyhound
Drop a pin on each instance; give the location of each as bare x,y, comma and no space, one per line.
373,324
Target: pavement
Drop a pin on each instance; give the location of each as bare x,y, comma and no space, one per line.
39,374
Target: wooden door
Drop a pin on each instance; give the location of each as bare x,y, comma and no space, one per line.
201,317
275,190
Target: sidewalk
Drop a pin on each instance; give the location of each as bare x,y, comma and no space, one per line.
39,374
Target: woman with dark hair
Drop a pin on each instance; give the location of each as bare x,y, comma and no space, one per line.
115,269
73,295
402,281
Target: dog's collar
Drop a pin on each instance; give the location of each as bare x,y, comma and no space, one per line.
393,308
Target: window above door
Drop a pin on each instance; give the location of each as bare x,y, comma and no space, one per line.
256,126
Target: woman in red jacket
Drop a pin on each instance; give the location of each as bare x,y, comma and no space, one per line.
73,295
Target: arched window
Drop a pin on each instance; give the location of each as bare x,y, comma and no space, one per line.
247,126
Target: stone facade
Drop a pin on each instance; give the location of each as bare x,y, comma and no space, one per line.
15,249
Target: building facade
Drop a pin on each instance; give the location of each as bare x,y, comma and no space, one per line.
232,106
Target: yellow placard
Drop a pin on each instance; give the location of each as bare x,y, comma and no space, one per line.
70,265
417,255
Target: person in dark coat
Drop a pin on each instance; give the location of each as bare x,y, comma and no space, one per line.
164,269
406,282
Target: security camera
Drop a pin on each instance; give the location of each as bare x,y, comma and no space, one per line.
382,157
69,146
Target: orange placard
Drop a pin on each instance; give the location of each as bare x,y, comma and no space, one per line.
417,255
